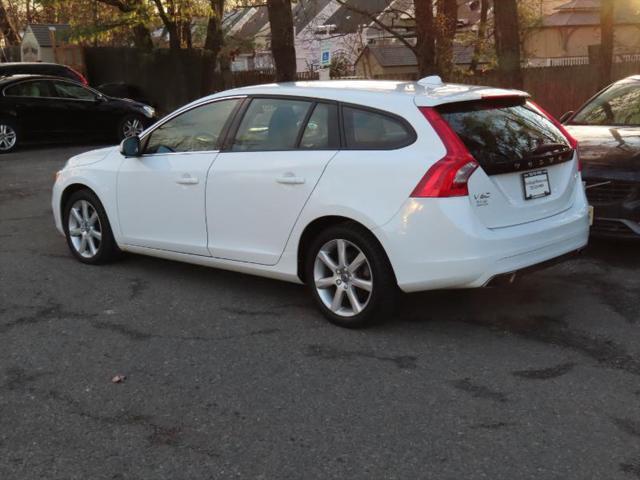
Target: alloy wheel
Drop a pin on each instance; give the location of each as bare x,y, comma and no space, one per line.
132,127
85,230
343,278
8,137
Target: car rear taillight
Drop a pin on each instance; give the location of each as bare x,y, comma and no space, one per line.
447,177
82,78
572,141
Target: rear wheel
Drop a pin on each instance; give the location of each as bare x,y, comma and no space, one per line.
350,277
87,229
130,126
8,135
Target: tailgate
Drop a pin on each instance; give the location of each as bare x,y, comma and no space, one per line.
527,165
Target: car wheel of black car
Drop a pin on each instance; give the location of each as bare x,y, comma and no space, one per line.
8,135
130,126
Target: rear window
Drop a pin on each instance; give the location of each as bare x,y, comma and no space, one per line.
507,136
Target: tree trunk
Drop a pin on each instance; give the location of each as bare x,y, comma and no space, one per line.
174,35
508,42
606,43
214,41
482,32
282,40
425,41
447,21
142,37
7,28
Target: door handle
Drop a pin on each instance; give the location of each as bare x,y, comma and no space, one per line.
290,179
187,180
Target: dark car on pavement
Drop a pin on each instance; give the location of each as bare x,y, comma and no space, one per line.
39,108
41,68
608,130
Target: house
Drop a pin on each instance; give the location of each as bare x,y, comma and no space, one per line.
397,60
336,28
566,33
39,41
386,56
318,24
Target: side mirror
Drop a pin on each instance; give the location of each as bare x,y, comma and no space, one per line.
130,147
100,99
566,116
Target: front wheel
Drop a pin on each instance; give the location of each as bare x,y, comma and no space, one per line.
350,276
130,126
87,229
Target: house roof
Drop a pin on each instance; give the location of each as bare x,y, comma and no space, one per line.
347,20
42,32
306,11
256,23
402,56
587,13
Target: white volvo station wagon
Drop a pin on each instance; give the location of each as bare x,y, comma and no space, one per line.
356,188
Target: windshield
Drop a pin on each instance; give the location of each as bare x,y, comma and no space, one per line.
619,105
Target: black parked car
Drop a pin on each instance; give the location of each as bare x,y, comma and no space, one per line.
608,129
38,68
34,107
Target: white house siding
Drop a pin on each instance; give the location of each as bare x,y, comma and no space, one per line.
309,43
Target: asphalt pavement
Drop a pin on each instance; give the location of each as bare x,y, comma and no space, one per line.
232,376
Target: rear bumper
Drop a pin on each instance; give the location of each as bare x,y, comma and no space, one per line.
440,243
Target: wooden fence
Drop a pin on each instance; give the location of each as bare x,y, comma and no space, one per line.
556,89
172,78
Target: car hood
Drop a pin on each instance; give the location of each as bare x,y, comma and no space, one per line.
90,157
126,102
608,152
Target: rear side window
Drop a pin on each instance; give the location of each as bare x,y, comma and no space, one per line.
271,124
321,131
507,136
32,89
369,130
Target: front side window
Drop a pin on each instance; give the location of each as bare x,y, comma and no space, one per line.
618,105
368,130
197,130
71,91
271,124
34,89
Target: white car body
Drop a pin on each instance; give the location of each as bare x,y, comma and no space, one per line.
247,212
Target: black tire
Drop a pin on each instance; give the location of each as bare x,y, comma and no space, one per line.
8,126
381,300
122,124
106,249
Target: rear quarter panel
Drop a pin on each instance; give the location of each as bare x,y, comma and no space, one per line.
370,186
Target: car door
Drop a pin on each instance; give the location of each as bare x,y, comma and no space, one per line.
161,194
261,181
36,107
79,107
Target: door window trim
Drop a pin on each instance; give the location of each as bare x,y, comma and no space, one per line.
144,139
233,131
